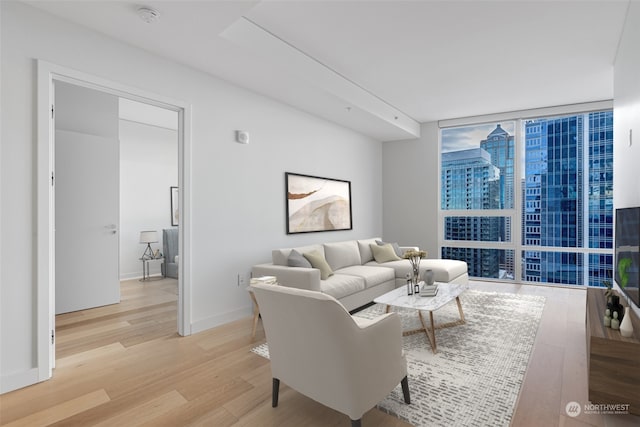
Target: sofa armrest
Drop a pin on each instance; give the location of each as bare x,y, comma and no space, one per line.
294,277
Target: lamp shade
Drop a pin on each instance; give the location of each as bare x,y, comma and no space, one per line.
148,236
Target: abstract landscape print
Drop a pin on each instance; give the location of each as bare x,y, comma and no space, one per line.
317,204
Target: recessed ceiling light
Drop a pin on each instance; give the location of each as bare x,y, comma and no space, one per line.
148,15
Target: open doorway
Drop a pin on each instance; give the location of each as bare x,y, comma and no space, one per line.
148,182
116,169
48,74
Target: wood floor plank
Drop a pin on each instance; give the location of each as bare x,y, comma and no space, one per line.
151,410
204,410
82,333
108,351
60,412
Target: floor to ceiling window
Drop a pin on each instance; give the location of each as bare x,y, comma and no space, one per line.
530,199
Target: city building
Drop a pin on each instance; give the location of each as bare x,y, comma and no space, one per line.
471,181
556,213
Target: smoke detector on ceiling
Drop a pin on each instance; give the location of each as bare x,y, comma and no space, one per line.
148,15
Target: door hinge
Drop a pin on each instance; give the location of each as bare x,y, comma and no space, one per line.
53,336
52,110
52,179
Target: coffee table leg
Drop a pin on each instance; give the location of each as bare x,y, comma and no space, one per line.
432,335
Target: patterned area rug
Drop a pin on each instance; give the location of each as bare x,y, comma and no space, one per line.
475,377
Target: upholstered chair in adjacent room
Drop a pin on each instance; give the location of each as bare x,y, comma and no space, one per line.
317,348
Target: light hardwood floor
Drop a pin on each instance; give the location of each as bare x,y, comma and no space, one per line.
125,365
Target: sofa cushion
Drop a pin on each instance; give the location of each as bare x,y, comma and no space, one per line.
396,247
317,261
342,285
402,267
296,259
342,254
384,253
372,275
281,256
365,250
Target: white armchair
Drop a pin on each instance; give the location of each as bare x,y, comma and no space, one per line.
318,349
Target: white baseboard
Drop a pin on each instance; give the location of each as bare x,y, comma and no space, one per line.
130,276
18,380
221,319
133,276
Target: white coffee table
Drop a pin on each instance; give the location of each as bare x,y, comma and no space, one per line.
447,292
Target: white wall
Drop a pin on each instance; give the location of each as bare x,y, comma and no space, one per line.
148,168
626,191
626,114
410,190
238,205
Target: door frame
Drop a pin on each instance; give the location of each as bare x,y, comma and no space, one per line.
47,73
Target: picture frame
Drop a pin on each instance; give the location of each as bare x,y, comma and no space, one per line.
315,204
175,206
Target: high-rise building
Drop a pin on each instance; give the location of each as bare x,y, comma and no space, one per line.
501,147
600,195
471,181
554,203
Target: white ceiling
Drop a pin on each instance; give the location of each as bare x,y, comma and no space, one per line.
393,63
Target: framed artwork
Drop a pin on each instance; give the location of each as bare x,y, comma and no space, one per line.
175,212
317,204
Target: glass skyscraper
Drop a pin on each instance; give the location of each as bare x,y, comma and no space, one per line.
554,202
600,195
501,147
471,181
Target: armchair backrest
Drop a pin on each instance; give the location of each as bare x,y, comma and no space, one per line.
169,243
305,330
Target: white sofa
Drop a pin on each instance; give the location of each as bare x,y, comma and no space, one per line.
357,277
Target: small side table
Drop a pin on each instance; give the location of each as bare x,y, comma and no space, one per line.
145,269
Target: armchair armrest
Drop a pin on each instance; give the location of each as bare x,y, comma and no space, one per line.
379,345
294,277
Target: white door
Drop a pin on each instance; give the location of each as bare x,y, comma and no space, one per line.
86,221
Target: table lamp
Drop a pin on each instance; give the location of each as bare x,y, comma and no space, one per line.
148,237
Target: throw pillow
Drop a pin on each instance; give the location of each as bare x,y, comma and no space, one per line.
317,261
296,259
384,253
396,247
